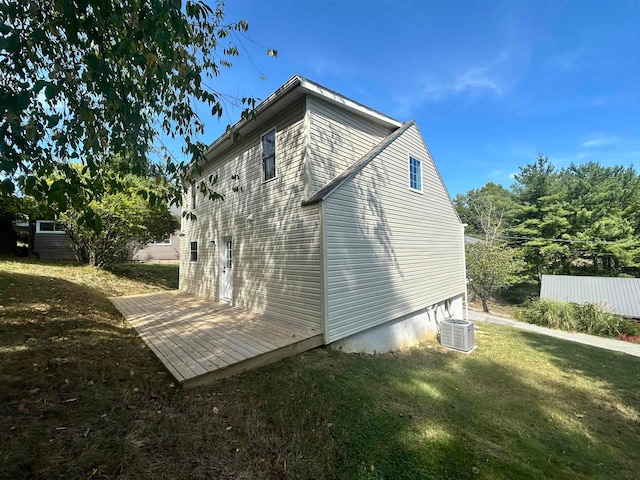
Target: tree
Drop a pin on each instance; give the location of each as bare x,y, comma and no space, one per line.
583,217
491,267
88,80
541,220
605,217
9,211
129,220
488,211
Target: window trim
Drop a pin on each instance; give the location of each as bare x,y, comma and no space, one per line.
192,251
54,231
273,129
420,162
163,243
194,194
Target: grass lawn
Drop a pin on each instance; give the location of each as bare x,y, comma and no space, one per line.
82,397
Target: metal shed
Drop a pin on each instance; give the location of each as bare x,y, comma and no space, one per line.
620,294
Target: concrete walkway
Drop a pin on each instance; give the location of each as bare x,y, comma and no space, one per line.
585,339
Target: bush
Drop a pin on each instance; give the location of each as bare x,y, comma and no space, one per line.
550,313
588,318
630,328
595,320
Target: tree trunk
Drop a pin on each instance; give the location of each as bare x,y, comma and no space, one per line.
485,304
92,258
8,237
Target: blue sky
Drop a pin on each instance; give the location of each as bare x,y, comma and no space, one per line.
490,83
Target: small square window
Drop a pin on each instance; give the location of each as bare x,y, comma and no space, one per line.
194,251
193,194
269,155
415,174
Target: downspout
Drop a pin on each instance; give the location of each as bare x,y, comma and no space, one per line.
464,269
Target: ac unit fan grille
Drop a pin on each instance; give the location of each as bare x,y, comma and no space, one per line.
457,334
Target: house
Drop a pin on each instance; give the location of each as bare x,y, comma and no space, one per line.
165,250
334,217
620,295
48,241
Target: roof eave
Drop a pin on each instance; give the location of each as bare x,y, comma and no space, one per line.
308,87
292,83
345,102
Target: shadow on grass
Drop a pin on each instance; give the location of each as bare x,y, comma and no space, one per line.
423,414
158,274
438,416
619,372
37,261
80,396
68,366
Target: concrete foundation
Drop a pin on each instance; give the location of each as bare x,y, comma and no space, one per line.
403,332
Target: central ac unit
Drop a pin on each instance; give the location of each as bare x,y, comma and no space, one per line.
457,334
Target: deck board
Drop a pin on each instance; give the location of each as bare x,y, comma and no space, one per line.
199,340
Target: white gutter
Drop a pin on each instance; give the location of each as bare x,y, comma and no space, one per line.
335,97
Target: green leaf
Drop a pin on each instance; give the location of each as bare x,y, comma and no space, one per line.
51,91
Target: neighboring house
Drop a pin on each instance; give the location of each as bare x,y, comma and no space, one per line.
48,241
166,250
621,295
334,217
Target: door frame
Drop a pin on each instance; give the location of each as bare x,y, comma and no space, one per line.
222,262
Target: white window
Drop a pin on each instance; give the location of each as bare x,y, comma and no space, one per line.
268,142
194,252
415,174
193,194
49,226
165,241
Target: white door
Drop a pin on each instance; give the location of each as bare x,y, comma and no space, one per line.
226,270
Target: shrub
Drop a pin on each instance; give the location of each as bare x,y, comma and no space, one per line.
588,318
595,320
630,328
550,313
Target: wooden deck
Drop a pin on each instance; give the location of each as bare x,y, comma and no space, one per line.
199,340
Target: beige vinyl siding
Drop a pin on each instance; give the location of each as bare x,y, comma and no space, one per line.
390,251
276,255
338,138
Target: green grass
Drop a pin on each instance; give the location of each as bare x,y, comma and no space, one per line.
81,397
156,274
